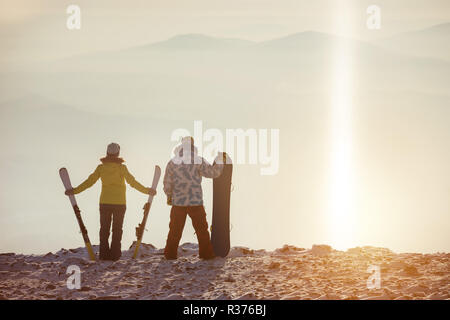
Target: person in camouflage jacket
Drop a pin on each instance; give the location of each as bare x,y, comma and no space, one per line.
182,185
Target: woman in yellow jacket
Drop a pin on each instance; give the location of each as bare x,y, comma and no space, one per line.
112,199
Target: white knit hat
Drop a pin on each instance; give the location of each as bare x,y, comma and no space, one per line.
187,140
113,149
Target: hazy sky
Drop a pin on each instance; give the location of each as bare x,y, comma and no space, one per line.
32,29
393,108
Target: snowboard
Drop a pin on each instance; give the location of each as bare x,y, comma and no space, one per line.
66,181
141,227
220,227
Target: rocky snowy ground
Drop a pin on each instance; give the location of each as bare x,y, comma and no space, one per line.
286,273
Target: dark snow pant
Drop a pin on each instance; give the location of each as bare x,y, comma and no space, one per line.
176,226
111,213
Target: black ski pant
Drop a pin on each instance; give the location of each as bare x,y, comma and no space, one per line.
111,213
177,220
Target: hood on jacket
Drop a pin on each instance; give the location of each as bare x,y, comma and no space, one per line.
180,157
112,159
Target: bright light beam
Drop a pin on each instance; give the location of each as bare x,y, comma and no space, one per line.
341,211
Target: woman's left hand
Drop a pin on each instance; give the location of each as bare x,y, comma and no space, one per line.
151,191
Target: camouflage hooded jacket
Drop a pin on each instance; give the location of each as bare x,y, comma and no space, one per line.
183,177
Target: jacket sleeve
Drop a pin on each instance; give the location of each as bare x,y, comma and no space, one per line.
132,181
168,179
210,171
89,182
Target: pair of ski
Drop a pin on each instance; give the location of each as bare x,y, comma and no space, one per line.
139,230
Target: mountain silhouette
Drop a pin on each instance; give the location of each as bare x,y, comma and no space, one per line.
195,41
431,42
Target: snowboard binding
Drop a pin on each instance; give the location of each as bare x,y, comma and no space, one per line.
141,227
139,231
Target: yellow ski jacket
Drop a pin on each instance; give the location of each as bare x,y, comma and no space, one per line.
113,176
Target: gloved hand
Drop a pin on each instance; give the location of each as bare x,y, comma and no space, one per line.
222,158
151,191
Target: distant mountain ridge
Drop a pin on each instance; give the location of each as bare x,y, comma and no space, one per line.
196,41
435,35
187,74
433,42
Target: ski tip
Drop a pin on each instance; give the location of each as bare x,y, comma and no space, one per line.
62,169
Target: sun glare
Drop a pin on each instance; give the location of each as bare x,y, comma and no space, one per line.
341,182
